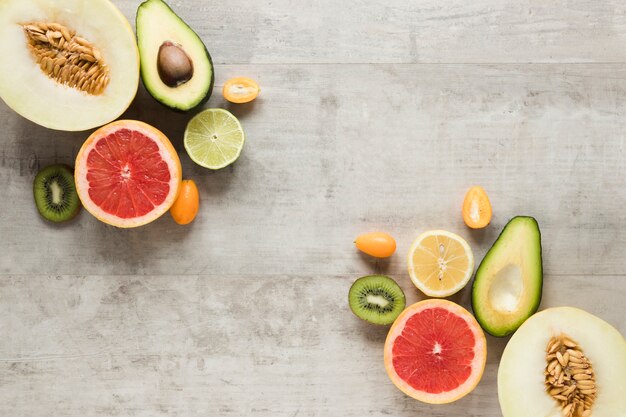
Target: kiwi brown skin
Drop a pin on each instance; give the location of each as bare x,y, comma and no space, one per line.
70,207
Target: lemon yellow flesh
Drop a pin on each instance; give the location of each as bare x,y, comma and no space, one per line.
440,263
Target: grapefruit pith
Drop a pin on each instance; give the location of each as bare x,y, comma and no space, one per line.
127,173
435,352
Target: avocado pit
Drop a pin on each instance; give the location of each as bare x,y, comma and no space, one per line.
174,65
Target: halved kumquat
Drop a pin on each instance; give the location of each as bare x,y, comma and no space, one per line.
476,208
240,90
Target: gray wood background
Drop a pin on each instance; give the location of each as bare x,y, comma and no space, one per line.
373,116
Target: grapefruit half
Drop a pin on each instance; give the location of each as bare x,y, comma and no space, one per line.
127,173
435,352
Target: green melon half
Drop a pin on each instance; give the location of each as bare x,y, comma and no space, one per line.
521,388
28,90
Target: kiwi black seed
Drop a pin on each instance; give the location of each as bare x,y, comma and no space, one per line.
377,299
55,193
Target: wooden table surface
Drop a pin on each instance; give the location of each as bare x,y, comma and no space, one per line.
373,116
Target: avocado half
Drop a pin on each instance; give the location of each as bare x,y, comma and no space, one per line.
176,67
508,284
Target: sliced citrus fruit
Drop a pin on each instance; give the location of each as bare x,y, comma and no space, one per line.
440,263
435,352
214,138
127,173
240,90
476,208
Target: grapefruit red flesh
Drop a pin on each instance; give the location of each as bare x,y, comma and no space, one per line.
127,173
435,352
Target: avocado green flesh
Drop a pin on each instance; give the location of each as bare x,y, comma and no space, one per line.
508,284
156,24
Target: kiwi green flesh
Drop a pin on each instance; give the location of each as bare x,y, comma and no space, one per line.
55,193
377,299
508,285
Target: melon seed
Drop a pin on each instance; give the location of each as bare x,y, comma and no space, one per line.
569,377
53,47
174,65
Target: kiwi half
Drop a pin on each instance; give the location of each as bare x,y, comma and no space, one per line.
377,299
55,193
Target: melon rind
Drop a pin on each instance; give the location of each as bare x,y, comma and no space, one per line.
32,94
520,377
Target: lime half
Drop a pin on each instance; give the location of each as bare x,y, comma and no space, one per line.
214,138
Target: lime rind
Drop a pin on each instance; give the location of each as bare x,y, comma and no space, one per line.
214,138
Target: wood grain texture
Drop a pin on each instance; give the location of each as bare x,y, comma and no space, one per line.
400,31
372,116
215,345
334,151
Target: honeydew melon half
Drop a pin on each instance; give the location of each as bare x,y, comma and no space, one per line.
522,380
67,64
